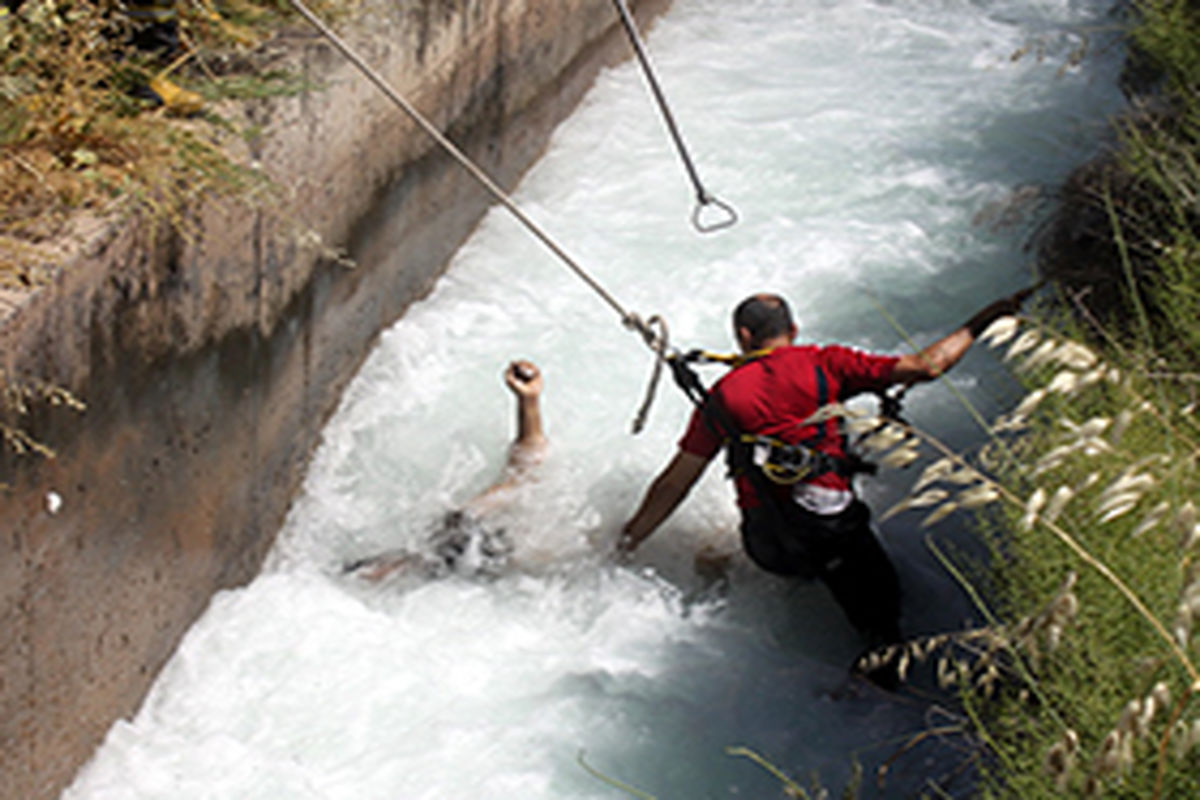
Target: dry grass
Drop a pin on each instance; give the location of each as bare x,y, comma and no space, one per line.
1086,685
81,141
1097,470
78,134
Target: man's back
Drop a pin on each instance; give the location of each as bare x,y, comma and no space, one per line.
775,394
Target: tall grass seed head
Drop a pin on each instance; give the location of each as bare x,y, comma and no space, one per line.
1182,631
1109,758
1026,341
1120,425
1032,507
1161,694
1065,382
886,437
1181,739
939,514
1029,403
927,498
1151,520
1000,331
1186,525
1058,502
1042,355
1093,427
901,457
1075,356
1130,714
978,496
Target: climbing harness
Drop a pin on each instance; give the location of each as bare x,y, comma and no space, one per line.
780,462
784,463
656,340
703,197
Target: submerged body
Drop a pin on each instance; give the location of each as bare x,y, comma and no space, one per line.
464,541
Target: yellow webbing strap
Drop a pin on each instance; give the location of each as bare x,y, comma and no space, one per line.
782,474
734,359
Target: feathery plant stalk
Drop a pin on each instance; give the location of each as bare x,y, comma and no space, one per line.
17,398
1102,698
790,787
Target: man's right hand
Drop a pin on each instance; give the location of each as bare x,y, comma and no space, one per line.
524,378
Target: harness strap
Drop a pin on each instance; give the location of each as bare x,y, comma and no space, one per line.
733,360
786,464
823,430
755,455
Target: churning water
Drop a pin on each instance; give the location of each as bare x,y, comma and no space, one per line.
879,151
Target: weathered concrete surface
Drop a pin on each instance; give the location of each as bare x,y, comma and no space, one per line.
209,364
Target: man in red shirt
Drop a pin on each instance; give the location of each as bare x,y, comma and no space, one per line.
815,527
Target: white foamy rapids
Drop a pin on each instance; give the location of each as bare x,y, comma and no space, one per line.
884,153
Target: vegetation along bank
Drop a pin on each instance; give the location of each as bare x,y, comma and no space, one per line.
1084,680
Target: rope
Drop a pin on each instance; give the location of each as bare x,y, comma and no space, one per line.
629,319
703,198
492,187
660,351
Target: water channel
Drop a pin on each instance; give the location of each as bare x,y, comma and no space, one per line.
890,152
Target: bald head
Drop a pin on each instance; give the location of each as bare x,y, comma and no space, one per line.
761,318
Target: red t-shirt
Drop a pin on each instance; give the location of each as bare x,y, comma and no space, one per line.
773,394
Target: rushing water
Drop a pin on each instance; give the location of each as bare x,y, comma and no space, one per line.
883,152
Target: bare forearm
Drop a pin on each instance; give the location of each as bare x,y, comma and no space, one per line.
658,504
934,359
943,354
948,351
529,422
663,497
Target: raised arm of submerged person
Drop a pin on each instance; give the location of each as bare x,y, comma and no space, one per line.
528,448
463,534
814,526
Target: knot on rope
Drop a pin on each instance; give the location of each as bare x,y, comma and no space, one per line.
634,322
656,340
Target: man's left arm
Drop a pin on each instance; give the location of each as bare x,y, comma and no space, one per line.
943,354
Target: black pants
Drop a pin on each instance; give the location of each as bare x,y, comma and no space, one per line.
840,550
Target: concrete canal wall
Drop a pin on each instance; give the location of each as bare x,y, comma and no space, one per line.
209,359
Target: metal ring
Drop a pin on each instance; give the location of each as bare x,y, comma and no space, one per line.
730,219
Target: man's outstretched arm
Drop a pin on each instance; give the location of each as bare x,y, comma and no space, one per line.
664,495
943,354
